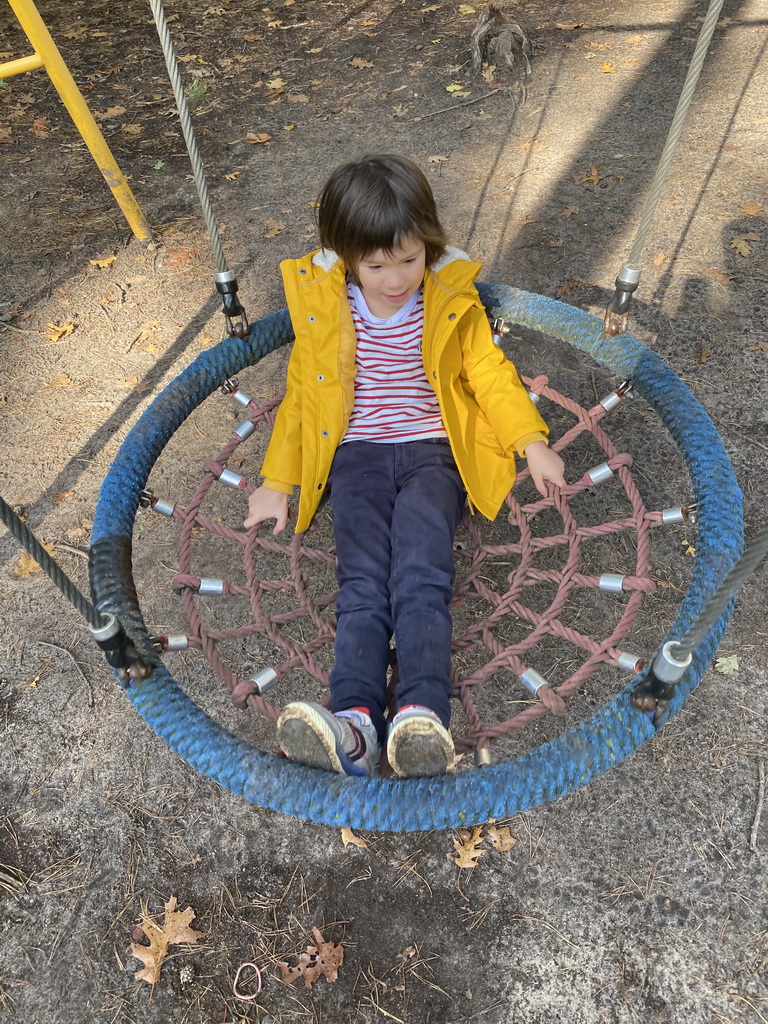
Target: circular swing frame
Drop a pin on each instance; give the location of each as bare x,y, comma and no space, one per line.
558,767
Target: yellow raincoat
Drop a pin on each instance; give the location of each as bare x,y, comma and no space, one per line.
486,410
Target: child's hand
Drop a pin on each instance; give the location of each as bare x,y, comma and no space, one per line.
544,465
265,503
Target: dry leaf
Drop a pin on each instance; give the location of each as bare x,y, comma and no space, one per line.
689,550
728,665
501,838
234,175
358,62
177,256
257,138
437,159
740,243
488,72
61,496
658,260
466,846
466,9
427,10
272,228
58,331
719,275
174,930
132,129
607,68
349,838
741,246
704,354
760,346
276,83
298,97
288,127
109,112
104,261
321,960
277,23
62,381
569,211
751,209
27,566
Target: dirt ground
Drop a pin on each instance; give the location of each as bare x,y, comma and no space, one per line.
641,897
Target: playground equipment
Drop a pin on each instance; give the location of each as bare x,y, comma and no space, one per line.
47,56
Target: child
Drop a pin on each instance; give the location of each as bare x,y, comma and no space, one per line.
398,403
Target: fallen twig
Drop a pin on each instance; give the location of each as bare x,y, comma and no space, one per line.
458,106
74,662
760,802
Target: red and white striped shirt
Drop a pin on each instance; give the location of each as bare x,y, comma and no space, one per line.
394,401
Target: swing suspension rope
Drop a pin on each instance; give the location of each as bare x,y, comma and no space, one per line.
628,278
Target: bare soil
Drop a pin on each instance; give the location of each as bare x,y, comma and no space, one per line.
639,898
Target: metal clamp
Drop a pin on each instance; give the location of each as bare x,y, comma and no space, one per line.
617,311
233,310
120,652
658,687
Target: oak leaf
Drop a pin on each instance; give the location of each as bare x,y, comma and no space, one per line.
358,62
727,665
751,209
608,68
467,847
466,9
272,228
109,112
58,331
569,211
740,244
501,838
104,261
173,931
321,960
257,138
349,838
27,566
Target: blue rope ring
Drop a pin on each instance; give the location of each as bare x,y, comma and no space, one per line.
557,767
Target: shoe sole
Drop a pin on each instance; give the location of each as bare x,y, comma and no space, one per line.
420,749
305,737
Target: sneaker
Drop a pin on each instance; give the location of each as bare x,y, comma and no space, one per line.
345,743
419,744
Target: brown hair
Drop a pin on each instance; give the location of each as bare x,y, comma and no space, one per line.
375,203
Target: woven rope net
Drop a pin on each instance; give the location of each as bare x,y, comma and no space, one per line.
532,590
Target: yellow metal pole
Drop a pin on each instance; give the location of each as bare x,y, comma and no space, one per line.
49,57
15,67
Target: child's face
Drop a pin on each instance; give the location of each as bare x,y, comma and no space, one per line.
388,280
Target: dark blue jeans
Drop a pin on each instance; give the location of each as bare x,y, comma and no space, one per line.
395,512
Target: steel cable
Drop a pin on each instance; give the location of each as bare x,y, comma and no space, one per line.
700,52
189,135
721,598
21,532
